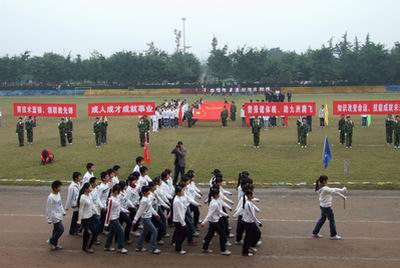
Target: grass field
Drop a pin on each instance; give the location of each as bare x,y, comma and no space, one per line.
279,161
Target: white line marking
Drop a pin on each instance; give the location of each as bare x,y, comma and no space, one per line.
275,257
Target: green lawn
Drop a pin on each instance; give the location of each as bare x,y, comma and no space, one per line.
279,161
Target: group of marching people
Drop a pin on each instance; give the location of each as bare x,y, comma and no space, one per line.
144,207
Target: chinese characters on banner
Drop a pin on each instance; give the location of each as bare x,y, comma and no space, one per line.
45,109
279,108
366,107
121,108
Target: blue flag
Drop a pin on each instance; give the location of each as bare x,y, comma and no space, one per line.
326,153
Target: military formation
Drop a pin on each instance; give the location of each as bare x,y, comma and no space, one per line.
100,131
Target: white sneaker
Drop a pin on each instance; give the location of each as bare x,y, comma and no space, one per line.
317,236
196,234
156,251
141,250
207,251
226,253
167,235
228,244
182,252
161,242
249,254
336,237
123,250
109,249
259,243
231,235
253,250
136,234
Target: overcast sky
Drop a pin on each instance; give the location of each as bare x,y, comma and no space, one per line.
81,26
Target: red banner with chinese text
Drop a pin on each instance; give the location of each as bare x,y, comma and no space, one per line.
210,110
45,109
366,107
121,108
279,108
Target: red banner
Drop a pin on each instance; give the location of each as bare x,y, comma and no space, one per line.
210,110
279,108
45,109
366,107
121,108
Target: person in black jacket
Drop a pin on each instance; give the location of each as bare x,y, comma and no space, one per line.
180,161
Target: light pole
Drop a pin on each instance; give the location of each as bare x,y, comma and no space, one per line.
184,35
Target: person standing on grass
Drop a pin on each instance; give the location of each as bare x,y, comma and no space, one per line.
143,130
180,161
72,202
20,131
103,128
62,128
389,124
112,219
396,129
97,132
325,202
322,116
55,215
233,111
29,130
88,218
256,129
341,124
69,129
224,117
243,116
304,130
348,131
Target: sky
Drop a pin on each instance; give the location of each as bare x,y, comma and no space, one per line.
81,26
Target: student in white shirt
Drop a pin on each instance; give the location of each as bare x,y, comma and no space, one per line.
132,194
179,220
162,205
126,205
321,116
169,190
87,216
103,191
194,193
139,164
146,212
154,119
112,219
72,202
114,175
251,224
90,167
215,224
94,195
325,202
55,215
225,203
144,179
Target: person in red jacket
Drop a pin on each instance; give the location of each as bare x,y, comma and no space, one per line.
46,156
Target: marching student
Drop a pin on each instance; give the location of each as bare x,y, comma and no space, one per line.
191,230
94,195
162,205
55,214
72,202
114,175
168,188
193,192
132,194
325,200
112,219
157,202
146,212
179,220
144,179
251,224
90,167
87,216
139,164
215,224
103,191
126,205
245,185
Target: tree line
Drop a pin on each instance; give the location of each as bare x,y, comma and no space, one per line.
342,63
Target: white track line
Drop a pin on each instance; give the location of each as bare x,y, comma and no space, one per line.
274,257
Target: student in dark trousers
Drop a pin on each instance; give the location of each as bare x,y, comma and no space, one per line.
215,224
88,218
72,202
251,225
180,161
55,215
179,220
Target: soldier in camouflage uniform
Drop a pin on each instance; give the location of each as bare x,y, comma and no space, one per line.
348,131
233,111
148,125
299,122
396,129
62,128
304,129
103,128
70,128
224,117
29,129
341,123
389,123
97,132
189,116
20,131
143,130
256,129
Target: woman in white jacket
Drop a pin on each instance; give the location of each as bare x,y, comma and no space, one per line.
325,202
